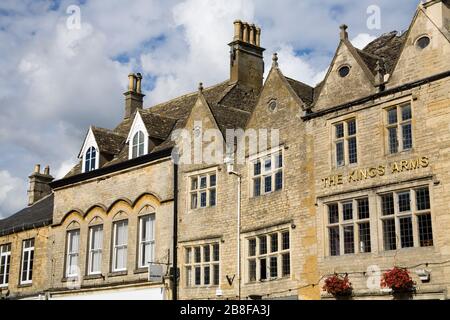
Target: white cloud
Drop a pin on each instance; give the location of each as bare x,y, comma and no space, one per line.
362,40
12,197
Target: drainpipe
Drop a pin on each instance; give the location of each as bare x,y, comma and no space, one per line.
238,253
175,234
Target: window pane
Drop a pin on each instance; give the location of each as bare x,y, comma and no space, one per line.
263,245
352,151
339,130
206,253
406,113
257,187
194,201
406,232
273,267
267,184
203,182
257,168
404,203
268,165
334,241
333,213
194,183
203,199
392,116
363,209
351,127
425,230
389,234
216,274
252,270
198,255
188,255
340,153
347,211
263,269
387,204
206,275
212,180
364,238
212,197
252,247
198,280
216,252
393,141
188,276
423,199
278,161
407,136
349,240
279,180
286,265
285,237
274,243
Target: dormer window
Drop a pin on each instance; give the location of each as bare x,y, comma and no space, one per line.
138,145
90,160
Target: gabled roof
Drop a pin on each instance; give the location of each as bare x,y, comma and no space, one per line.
38,215
304,91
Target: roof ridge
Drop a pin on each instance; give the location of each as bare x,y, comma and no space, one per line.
109,131
40,200
298,81
187,95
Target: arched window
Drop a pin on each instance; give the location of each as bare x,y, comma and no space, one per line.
90,160
138,144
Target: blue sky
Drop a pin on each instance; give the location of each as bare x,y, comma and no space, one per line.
55,82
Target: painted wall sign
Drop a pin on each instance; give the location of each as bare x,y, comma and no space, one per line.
377,171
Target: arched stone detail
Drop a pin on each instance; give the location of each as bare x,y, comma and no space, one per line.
120,215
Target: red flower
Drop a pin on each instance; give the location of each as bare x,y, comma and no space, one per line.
398,280
338,286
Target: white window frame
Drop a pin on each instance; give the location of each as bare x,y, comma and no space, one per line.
345,140
278,254
144,242
70,255
413,213
274,170
119,246
190,265
90,142
138,125
6,254
30,263
208,189
341,224
85,160
399,128
93,251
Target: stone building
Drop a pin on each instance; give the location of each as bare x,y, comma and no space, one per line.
350,177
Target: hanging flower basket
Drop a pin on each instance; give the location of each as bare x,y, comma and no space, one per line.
399,281
338,286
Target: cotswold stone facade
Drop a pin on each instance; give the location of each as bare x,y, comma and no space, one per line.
357,183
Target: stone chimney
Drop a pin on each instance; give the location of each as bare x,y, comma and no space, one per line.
439,13
39,184
247,63
134,98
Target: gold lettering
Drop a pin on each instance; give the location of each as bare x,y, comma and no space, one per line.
414,164
340,179
381,170
363,174
395,168
404,166
373,172
353,177
424,162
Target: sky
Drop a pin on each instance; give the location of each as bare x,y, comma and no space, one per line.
64,63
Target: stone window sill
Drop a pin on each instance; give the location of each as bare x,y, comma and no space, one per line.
22,286
65,279
140,270
118,274
94,277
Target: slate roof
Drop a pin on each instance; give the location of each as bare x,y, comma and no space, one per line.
38,215
231,106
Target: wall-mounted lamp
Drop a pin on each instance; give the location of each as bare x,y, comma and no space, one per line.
423,274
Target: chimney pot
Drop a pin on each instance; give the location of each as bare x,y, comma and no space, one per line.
253,34
39,185
134,98
37,168
47,170
139,83
132,82
344,33
246,32
258,37
238,30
